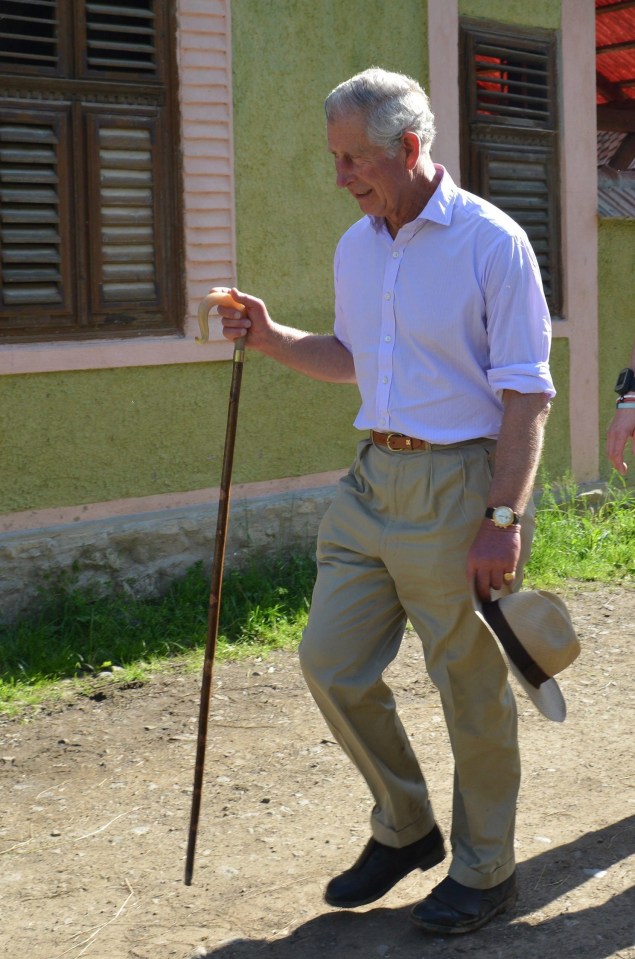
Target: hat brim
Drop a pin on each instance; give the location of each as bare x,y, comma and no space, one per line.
547,698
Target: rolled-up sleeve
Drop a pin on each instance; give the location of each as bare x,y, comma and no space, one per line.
517,318
530,378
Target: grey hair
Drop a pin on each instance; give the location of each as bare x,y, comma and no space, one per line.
392,103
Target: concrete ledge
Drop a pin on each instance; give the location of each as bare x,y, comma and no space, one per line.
144,553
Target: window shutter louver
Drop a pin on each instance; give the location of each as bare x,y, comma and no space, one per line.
120,37
510,138
126,214
29,35
33,221
90,222
511,84
518,182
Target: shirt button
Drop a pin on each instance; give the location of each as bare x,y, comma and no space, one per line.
395,254
384,379
387,339
386,296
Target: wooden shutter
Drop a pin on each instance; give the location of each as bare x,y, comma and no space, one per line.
128,257
90,241
518,180
30,35
511,81
34,220
120,37
509,149
126,211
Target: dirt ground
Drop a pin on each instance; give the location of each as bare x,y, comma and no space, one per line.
95,796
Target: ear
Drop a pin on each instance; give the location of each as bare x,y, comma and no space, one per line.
413,149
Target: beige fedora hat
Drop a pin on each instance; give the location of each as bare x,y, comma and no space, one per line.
534,630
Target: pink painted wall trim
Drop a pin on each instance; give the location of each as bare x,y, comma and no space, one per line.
61,516
580,233
443,82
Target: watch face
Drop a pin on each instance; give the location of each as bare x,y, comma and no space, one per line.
503,516
625,381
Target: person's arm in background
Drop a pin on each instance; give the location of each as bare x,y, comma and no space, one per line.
622,428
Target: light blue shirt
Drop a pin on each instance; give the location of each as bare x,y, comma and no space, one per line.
443,318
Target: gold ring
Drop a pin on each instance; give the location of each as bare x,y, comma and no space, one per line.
508,577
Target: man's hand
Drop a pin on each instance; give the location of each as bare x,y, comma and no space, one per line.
621,429
493,553
254,320
323,357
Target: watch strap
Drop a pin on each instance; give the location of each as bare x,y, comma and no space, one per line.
625,381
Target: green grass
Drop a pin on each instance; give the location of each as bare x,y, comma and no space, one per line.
78,634
580,542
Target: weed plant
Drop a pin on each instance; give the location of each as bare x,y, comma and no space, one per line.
78,634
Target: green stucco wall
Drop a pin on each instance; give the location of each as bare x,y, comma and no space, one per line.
556,461
616,259
84,437
92,436
527,13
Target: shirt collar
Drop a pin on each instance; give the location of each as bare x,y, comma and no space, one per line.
439,206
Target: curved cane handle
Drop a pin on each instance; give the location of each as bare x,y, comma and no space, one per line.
215,298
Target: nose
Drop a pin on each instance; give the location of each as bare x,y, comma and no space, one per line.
343,173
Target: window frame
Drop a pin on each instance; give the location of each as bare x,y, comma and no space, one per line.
509,137
39,91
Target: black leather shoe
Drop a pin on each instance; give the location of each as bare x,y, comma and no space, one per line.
452,908
380,867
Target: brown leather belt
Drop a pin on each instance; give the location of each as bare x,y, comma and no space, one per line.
398,443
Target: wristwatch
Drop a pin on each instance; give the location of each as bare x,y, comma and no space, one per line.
502,516
625,382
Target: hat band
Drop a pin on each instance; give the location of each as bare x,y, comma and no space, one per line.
512,645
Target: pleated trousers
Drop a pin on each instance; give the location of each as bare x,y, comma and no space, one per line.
392,547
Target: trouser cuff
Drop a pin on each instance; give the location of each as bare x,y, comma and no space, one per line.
398,838
468,876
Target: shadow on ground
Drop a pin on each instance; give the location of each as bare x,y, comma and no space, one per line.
597,932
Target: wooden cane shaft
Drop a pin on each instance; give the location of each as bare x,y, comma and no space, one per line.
218,564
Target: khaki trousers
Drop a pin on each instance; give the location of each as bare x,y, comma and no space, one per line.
393,546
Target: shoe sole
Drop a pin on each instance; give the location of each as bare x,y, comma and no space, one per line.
471,927
433,859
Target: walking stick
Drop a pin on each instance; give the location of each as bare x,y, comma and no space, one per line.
214,299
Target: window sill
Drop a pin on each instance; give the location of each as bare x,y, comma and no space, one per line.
20,358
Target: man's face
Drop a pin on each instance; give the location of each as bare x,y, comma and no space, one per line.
380,183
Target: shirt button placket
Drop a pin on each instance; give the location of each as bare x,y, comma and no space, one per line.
386,344
385,347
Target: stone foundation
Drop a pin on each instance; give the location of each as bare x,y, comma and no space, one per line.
146,552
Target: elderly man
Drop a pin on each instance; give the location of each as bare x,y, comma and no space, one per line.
441,321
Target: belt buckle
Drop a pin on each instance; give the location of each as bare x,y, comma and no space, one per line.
400,436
